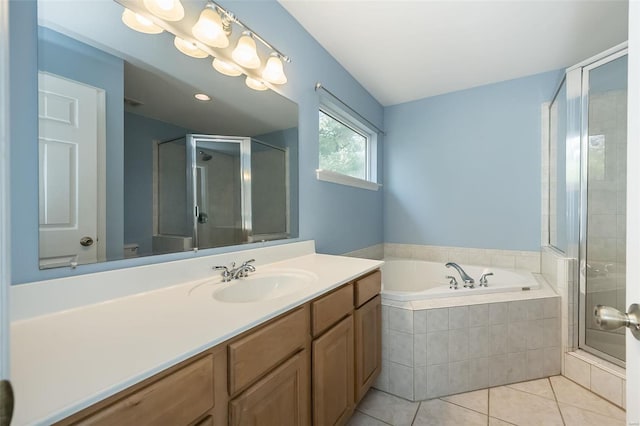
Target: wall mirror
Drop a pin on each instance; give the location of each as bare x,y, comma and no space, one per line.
132,164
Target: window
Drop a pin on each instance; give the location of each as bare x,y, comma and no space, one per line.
342,149
347,149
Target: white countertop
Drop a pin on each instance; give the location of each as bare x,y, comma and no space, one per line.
65,361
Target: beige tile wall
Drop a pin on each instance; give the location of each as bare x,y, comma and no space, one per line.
435,352
510,259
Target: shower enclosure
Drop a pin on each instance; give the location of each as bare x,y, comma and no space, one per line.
587,193
214,191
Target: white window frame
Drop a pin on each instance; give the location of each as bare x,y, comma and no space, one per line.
343,116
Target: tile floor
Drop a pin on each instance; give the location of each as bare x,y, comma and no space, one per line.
551,401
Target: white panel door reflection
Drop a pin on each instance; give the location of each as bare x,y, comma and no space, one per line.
69,133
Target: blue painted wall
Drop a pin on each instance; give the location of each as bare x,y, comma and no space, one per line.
66,57
339,218
463,169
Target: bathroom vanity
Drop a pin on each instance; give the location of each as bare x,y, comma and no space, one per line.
303,358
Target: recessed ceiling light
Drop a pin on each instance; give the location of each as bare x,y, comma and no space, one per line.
202,97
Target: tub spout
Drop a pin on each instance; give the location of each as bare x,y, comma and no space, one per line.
466,278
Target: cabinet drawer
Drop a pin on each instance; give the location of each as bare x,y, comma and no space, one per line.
255,354
331,308
368,287
177,399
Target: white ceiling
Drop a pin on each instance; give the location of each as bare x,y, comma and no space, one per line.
406,50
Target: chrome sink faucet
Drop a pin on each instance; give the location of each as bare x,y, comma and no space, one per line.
235,273
243,270
468,281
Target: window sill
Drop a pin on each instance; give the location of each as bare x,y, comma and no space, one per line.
333,177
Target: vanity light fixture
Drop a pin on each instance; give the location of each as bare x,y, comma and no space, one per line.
245,54
209,29
169,10
273,71
189,48
140,23
202,97
255,84
226,68
214,30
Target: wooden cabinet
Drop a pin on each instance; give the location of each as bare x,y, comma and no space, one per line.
368,345
258,351
280,398
273,374
269,373
331,308
367,287
333,375
193,392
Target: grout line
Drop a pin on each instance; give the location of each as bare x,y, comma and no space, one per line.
556,399
527,392
415,415
467,408
488,405
591,392
373,417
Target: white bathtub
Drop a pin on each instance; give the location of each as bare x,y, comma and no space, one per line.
406,280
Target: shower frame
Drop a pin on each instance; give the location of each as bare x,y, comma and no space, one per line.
577,81
245,174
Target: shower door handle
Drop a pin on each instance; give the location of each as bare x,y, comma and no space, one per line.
608,318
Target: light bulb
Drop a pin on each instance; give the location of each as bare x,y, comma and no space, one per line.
226,68
139,23
188,48
202,97
169,10
245,53
255,84
209,29
273,72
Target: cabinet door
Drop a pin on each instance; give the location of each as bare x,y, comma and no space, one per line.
333,375
280,398
368,326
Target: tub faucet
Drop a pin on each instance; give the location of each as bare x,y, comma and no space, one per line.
468,281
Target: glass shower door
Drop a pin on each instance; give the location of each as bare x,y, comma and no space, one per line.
603,241
219,189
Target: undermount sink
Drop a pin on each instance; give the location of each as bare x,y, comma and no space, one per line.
265,286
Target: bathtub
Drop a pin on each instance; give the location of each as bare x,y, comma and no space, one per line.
435,343
407,280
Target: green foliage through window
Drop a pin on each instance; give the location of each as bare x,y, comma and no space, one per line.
342,149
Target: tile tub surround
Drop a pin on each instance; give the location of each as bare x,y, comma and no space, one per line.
560,272
375,252
429,353
508,259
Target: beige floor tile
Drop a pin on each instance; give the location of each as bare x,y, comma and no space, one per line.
476,400
388,408
574,416
570,393
522,408
540,387
441,413
497,422
361,419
